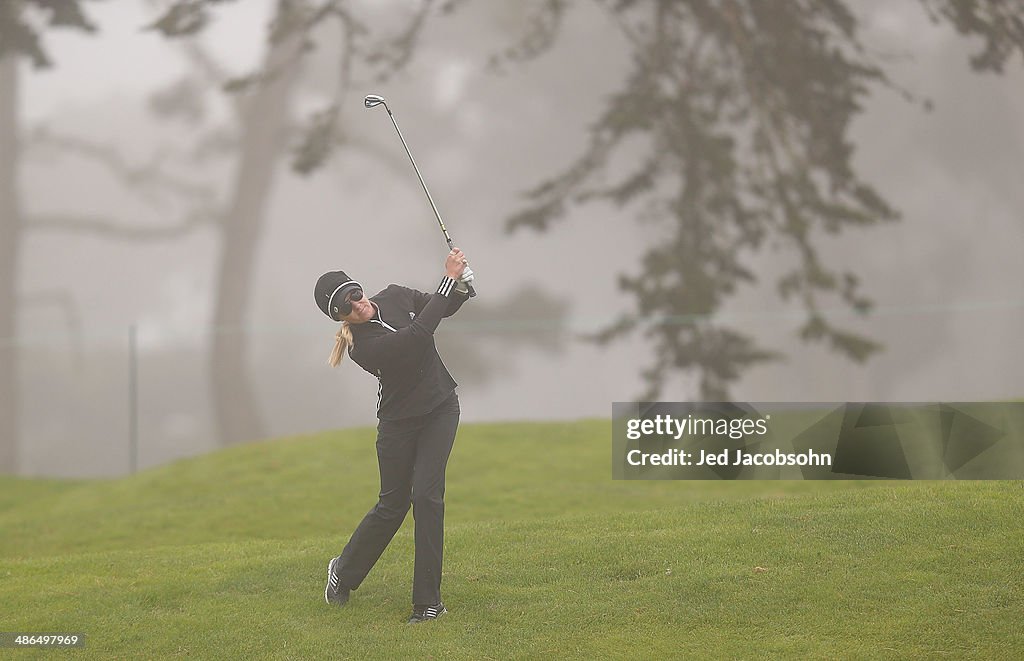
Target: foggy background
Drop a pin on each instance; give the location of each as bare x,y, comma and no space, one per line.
945,279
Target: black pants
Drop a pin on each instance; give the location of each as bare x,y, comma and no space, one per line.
412,454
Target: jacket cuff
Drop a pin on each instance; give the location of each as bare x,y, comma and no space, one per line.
446,286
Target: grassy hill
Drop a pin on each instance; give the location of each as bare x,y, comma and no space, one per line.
224,556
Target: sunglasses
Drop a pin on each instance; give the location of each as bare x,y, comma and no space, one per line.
346,307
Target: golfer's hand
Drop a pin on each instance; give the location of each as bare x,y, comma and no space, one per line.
455,263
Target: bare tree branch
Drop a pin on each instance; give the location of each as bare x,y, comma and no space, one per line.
107,228
212,72
149,180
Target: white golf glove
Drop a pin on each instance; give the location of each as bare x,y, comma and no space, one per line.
467,277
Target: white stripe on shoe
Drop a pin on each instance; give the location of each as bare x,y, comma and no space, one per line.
332,581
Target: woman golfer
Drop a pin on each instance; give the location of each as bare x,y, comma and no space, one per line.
391,336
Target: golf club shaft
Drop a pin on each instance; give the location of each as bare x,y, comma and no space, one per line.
447,237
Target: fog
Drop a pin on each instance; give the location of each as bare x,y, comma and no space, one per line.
945,279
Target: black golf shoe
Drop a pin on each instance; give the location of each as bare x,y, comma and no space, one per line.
427,613
335,593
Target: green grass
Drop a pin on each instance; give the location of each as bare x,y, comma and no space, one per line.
224,556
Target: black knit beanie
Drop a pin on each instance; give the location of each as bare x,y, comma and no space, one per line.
330,292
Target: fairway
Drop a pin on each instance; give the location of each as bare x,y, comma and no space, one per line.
224,556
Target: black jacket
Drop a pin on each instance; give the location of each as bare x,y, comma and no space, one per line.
397,347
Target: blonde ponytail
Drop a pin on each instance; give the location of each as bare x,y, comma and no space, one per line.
342,341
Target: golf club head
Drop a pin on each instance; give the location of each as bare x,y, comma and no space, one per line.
373,100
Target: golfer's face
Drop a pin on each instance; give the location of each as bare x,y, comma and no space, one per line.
362,310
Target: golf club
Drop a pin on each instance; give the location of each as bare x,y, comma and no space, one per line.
373,100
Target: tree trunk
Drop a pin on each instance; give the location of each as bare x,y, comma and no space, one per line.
10,239
236,408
